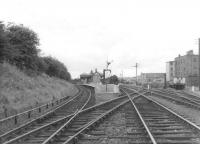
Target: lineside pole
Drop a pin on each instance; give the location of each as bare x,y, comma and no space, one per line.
136,66
199,64
165,81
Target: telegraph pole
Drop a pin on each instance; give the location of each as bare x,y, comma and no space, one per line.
122,75
199,64
136,66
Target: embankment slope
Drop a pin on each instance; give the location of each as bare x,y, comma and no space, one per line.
19,91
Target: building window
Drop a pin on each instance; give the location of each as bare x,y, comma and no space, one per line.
194,59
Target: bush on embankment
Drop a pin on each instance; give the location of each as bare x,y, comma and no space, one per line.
19,47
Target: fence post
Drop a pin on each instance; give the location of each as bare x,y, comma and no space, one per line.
16,119
39,109
29,114
5,111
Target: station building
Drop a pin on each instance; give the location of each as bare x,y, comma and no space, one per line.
92,77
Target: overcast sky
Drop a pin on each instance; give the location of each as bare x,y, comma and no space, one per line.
83,34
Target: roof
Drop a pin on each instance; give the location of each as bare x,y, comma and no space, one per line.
85,75
153,74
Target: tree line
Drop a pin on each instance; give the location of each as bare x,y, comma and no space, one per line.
19,46
112,80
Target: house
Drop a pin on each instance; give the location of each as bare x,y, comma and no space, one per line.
92,77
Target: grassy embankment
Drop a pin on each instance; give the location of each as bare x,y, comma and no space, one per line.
19,91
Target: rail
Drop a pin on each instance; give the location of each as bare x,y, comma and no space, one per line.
142,120
175,93
22,124
58,121
95,122
68,122
172,112
6,116
177,99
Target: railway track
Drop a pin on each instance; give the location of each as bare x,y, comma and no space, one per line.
79,136
165,126
190,96
60,114
38,135
179,97
74,123
146,122
123,127
176,97
68,132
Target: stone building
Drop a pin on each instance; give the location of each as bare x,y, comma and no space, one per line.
170,71
92,77
185,66
97,77
85,78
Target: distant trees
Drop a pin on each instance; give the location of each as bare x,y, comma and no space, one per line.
3,42
24,43
113,79
56,68
19,46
